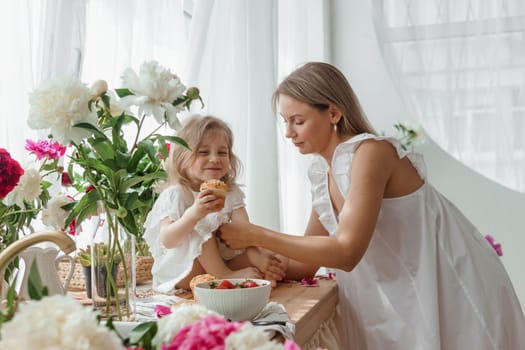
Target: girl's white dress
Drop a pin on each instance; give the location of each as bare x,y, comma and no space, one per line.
428,281
172,265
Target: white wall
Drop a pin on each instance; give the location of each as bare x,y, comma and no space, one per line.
492,208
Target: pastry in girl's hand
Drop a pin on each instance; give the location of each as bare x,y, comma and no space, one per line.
218,188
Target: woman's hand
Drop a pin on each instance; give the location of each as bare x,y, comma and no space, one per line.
236,235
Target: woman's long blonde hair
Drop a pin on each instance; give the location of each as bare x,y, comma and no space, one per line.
193,131
320,85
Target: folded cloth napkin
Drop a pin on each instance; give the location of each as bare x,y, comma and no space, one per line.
145,307
274,319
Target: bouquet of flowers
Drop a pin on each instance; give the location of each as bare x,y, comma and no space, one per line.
115,157
24,190
60,322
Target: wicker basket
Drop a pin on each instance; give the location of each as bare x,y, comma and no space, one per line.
78,283
143,269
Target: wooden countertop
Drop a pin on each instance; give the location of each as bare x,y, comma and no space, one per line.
308,307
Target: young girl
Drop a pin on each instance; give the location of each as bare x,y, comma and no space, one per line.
180,227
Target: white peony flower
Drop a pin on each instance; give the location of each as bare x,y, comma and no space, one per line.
99,87
155,89
115,106
170,325
58,105
57,322
28,188
53,215
250,337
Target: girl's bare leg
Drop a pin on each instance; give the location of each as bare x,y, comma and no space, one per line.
196,270
212,262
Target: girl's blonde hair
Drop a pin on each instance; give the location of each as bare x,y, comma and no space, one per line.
193,131
320,85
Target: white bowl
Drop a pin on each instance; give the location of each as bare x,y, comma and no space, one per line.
239,304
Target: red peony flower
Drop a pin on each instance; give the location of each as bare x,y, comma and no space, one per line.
46,148
73,228
10,173
66,180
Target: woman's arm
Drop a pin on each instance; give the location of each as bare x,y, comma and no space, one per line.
297,269
372,167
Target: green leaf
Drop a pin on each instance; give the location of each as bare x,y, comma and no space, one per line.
86,206
91,127
149,148
122,159
177,140
122,92
135,180
143,334
104,150
135,159
69,206
105,99
35,287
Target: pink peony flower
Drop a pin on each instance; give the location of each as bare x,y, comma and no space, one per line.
290,345
49,149
161,310
310,282
208,333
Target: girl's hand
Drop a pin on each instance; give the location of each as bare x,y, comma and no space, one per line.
205,203
272,266
236,235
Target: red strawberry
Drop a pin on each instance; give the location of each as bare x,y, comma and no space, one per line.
250,284
226,284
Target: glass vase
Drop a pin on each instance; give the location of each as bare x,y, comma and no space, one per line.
112,249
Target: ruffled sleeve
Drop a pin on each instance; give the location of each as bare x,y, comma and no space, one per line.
344,153
341,165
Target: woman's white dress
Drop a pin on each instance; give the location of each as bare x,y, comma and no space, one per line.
429,280
172,265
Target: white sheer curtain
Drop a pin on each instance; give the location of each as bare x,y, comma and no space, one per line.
231,59
303,36
235,51
460,65
40,39
125,33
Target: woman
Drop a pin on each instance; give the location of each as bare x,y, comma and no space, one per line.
413,272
